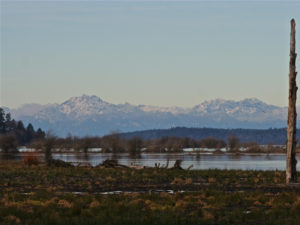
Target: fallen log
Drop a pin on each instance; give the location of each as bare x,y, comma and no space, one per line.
111,163
59,163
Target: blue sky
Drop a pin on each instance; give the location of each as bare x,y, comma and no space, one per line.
156,53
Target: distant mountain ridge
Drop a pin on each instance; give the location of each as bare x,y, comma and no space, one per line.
90,115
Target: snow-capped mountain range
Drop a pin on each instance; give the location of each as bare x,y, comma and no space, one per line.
90,115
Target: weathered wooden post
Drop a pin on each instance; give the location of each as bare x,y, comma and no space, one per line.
292,114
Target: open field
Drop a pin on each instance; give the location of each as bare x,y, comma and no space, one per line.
86,195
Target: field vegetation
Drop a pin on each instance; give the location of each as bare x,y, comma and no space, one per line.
40,194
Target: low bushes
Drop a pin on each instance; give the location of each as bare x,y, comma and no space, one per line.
31,159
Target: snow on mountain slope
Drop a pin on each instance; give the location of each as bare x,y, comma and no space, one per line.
90,115
248,109
84,105
30,109
171,109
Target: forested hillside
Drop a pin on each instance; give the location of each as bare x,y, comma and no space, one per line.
260,136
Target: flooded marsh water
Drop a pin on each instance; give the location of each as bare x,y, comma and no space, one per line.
199,161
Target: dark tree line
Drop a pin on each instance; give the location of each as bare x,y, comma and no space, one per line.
13,133
115,143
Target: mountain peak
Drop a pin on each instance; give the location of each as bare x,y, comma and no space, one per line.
224,101
83,105
216,101
90,115
252,101
84,98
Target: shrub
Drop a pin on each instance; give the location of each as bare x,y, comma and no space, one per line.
31,160
8,143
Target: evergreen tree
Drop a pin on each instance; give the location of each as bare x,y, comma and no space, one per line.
20,133
29,132
8,117
2,121
9,126
20,126
39,134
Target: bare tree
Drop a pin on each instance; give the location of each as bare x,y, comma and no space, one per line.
134,146
233,143
48,144
292,114
84,144
113,143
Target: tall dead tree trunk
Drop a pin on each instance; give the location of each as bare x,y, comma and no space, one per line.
292,114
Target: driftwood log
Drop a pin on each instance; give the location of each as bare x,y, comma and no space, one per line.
58,163
112,163
177,165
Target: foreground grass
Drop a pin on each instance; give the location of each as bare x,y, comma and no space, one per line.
45,195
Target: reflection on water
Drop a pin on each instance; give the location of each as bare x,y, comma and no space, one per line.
199,161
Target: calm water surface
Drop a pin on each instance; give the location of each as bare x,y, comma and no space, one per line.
199,161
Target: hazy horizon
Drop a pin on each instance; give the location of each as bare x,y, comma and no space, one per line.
153,53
